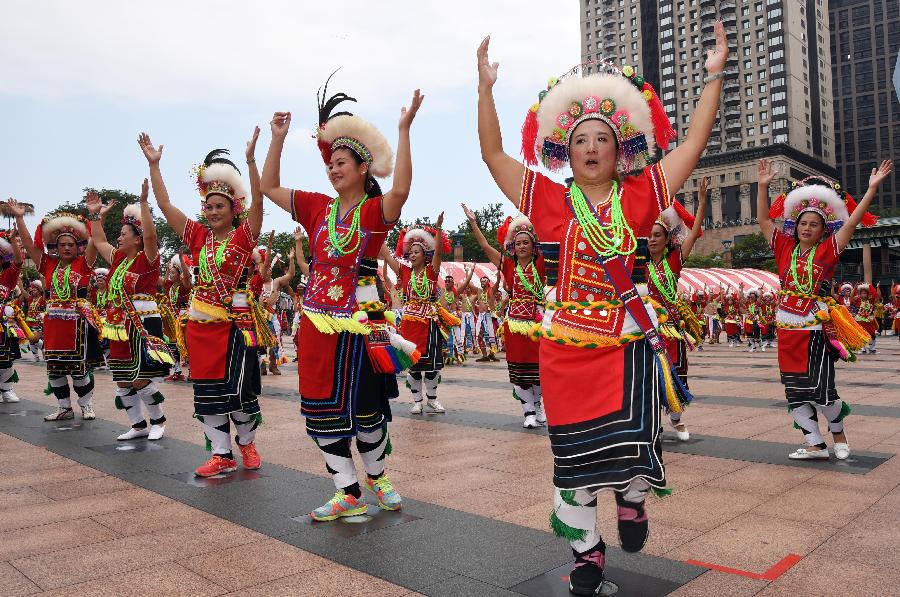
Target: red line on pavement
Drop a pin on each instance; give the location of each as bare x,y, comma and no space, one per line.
786,563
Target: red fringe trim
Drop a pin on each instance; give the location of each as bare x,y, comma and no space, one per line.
529,136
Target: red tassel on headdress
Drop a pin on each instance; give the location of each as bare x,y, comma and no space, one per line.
398,250
662,126
188,261
685,215
503,229
777,209
39,238
529,136
868,219
325,150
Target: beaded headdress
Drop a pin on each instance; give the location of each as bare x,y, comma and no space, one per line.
6,248
132,215
218,175
619,97
676,221
58,224
819,195
100,273
344,130
424,237
846,286
512,227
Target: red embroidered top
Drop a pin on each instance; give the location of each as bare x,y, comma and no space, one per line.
141,278
333,277
226,278
523,304
78,279
675,264
794,309
8,280
581,276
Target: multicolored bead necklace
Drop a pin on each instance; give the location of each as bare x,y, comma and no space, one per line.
205,273
340,243
63,291
536,291
606,240
668,288
421,287
117,281
805,287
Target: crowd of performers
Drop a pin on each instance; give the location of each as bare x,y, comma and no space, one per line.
586,300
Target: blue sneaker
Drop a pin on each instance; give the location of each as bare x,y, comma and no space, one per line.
340,505
388,498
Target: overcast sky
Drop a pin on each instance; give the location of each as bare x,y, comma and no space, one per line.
80,80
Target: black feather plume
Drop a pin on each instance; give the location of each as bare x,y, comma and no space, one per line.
213,157
327,105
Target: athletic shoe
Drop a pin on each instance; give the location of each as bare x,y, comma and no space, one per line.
60,414
633,524
809,453
10,396
341,504
841,450
156,432
416,409
873,351
682,434
250,457
434,406
700,348
87,413
262,369
530,422
388,498
482,360
134,434
493,357
175,377
586,577
539,413
216,465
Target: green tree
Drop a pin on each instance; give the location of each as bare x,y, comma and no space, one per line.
703,261
753,251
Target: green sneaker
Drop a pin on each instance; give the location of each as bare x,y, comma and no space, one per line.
340,505
388,498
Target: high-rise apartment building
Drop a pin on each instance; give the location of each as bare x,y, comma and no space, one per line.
776,99
865,41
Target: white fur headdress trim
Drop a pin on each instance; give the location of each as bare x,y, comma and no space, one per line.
418,235
673,224
518,225
793,201
101,272
226,174
6,247
355,128
37,284
55,226
846,286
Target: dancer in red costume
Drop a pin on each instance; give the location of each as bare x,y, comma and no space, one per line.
14,329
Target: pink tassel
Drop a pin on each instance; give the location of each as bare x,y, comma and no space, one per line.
529,136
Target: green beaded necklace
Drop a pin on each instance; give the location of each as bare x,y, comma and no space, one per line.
535,290
449,297
63,291
807,286
340,243
117,281
205,273
606,240
422,288
669,288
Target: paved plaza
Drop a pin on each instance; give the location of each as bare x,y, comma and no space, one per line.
85,515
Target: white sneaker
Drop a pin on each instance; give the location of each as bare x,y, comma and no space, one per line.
133,434
539,413
764,348
156,432
416,409
60,414
530,422
434,406
10,396
684,435
841,451
809,453
87,413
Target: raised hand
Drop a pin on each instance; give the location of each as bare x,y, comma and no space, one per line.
145,190
95,205
440,221
408,114
704,187
470,215
880,173
153,154
766,172
251,145
299,233
487,70
280,124
716,57
15,208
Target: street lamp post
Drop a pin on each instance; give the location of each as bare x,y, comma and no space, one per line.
726,254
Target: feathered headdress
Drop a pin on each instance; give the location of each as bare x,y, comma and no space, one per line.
132,215
676,221
344,130
867,287
819,195
100,273
60,224
619,97
846,286
218,175
512,227
424,237
37,284
6,248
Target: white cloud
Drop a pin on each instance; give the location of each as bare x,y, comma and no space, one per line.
189,52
